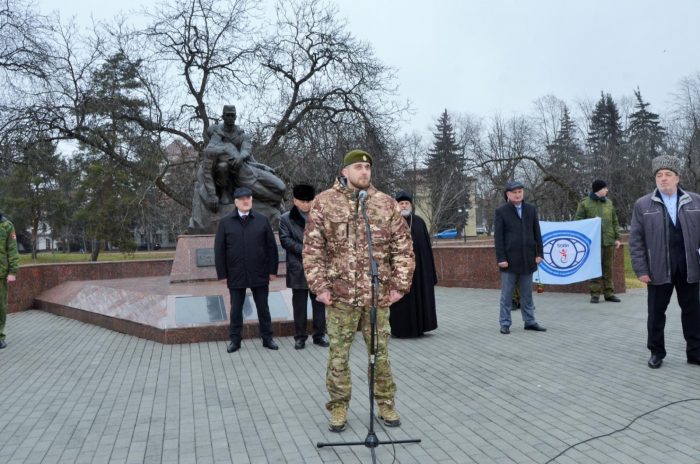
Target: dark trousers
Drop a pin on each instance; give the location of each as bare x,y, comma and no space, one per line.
658,297
264,319
319,315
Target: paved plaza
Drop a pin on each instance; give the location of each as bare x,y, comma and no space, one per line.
76,393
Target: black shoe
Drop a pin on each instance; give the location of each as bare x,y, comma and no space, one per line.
233,346
270,344
613,299
695,361
655,361
300,344
536,327
323,341
514,305
595,299
505,330
4,345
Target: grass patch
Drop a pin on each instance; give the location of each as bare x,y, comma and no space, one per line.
631,280
56,257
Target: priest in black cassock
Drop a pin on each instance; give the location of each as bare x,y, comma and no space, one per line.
414,314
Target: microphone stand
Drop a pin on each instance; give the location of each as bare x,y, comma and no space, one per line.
371,441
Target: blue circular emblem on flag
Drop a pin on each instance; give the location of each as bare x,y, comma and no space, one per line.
565,251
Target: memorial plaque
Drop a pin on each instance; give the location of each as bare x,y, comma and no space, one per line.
199,309
278,308
205,257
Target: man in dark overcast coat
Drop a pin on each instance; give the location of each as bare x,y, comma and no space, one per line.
519,250
245,254
292,224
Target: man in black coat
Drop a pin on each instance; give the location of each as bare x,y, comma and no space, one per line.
518,243
245,254
292,224
415,314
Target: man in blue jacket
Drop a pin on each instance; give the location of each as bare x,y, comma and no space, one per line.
518,243
664,245
245,254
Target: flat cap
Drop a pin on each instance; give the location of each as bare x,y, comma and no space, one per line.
513,185
241,192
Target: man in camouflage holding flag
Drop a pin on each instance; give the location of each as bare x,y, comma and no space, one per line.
337,267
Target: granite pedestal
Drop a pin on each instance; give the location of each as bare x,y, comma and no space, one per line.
187,306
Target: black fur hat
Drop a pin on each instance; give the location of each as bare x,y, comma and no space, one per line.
304,192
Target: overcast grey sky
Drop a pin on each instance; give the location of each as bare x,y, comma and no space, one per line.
482,57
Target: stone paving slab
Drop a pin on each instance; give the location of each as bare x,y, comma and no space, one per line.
75,393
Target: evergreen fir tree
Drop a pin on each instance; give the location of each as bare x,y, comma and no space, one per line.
565,162
645,134
605,137
449,199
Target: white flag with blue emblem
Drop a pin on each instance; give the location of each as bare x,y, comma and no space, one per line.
571,251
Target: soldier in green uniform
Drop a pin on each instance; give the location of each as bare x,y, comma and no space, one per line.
336,264
9,263
596,204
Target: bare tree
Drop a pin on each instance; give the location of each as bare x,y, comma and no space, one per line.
22,48
684,130
192,56
547,118
311,65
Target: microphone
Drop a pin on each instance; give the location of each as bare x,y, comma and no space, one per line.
362,196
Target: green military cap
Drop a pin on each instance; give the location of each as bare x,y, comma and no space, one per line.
357,156
229,109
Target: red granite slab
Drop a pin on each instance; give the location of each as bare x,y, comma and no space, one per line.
145,307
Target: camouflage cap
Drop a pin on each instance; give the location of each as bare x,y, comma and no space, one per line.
229,109
357,156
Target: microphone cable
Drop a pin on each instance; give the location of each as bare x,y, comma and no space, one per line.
391,439
622,429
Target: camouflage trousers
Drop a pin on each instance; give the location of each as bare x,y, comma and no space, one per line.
342,321
604,284
3,307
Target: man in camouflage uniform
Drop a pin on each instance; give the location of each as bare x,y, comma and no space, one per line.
597,204
9,264
337,268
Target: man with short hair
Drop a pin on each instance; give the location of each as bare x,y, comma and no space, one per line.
292,225
597,204
518,242
245,254
9,265
338,271
664,241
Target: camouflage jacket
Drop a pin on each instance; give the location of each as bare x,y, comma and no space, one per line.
9,257
335,246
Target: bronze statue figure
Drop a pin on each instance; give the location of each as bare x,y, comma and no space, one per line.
227,163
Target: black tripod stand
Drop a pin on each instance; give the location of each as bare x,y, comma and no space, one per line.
371,441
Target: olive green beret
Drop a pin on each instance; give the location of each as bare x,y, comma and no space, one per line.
357,156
